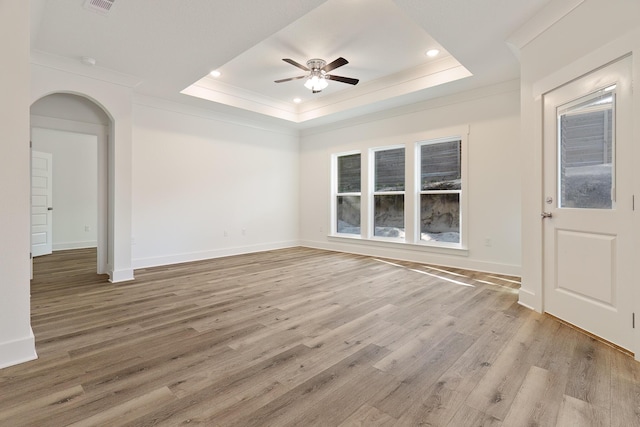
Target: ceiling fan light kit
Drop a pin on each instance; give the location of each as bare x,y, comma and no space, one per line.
317,78
316,83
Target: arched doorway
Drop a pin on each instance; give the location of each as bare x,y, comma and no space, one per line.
77,130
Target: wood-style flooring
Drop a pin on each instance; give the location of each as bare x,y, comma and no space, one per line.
304,337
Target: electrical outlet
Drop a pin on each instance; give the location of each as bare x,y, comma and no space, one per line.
488,242
226,233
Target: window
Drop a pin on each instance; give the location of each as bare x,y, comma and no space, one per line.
410,193
388,193
440,190
348,194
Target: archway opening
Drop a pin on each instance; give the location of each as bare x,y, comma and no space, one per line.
74,131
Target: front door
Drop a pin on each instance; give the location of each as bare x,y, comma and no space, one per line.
41,203
588,203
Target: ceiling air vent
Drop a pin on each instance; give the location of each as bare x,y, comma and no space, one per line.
99,6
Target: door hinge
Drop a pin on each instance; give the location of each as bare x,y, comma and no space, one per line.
633,202
633,320
30,144
30,255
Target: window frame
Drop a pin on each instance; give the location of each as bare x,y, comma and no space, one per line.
335,193
412,207
569,109
461,192
373,193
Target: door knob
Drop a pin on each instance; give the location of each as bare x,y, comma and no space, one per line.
546,215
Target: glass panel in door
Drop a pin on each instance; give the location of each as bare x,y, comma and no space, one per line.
586,151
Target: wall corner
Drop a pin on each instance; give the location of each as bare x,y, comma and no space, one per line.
18,351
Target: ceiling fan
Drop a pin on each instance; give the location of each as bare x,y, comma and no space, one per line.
318,73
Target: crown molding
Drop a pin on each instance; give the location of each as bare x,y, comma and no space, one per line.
540,22
208,114
221,93
76,67
436,73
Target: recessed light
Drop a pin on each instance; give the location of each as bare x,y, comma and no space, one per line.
432,53
87,60
297,100
215,73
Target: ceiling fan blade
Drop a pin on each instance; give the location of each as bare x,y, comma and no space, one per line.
335,64
290,78
341,79
296,64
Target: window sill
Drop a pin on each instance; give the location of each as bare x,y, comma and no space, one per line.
400,244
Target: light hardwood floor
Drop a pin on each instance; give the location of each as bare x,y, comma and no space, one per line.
303,337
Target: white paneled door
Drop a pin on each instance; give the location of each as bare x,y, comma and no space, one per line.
588,203
41,203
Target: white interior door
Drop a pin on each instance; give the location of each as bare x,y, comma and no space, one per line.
41,203
587,211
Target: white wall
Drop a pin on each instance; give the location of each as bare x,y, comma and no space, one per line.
75,186
206,187
594,33
492,115
16,339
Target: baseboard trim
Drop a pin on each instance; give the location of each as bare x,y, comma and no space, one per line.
118,276
528,299
204,255
444,260
18,351
75,245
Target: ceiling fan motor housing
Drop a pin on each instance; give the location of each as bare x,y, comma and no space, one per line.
316,64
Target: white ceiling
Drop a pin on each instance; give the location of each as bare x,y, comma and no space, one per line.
165,47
